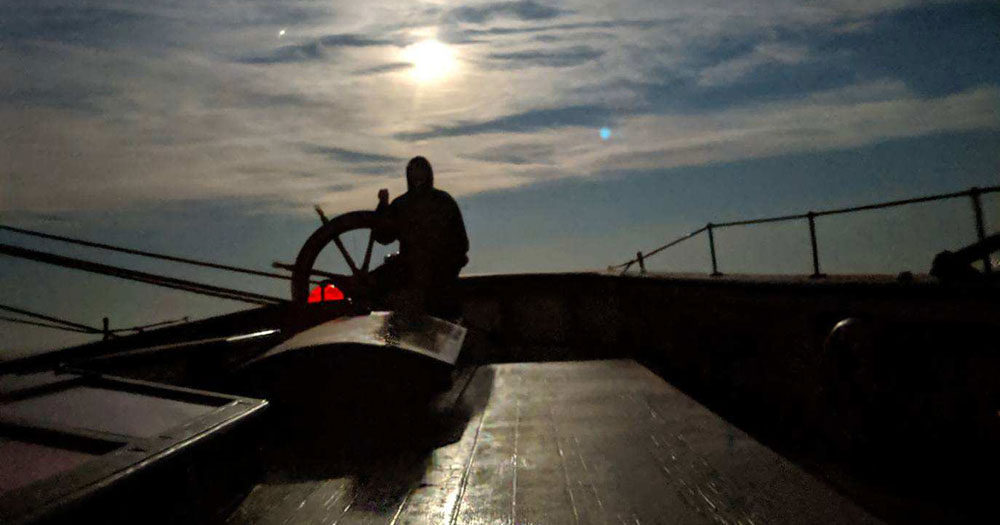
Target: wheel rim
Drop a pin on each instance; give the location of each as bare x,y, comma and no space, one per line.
358,282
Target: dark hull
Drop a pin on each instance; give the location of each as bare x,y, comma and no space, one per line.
361,438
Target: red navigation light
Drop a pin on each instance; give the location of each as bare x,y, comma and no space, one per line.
329,293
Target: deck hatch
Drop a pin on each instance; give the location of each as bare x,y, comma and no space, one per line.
104,410
66,438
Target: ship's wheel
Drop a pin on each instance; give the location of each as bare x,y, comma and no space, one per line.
358,284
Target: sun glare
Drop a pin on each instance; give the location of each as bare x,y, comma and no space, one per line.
432,61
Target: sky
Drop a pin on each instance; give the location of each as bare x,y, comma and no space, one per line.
572,133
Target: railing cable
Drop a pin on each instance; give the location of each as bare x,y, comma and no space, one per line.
655,251
810,216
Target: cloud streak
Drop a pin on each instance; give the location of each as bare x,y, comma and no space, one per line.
315,50
522,10
568,57
516,153
542,32
832,121
348,155
390,67
523,122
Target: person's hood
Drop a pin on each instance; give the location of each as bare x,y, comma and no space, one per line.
426,187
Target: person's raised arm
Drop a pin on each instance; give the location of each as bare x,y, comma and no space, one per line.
385,230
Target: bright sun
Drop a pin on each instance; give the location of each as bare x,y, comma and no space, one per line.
432,60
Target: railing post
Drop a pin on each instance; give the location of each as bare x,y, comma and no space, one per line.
711,247
641,261
815,251
107,329
977,209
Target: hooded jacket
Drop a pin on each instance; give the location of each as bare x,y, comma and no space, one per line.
428,225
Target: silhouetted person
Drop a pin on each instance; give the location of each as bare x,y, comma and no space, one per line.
432,241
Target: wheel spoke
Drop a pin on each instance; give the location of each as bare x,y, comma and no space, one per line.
355,282
337,279
347,256
368,251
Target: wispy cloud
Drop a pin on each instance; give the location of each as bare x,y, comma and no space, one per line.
354,40
247,98
566,31
526,121
523,10
379,169
838,119
545,28
515,153
315,49
567,57
348,155
731,70
384,68
288,54
85,99
78,25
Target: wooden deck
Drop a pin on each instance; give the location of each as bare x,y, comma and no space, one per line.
552,443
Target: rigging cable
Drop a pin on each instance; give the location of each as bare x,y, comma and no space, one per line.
140,328
44,325
68,325
134,275
141,253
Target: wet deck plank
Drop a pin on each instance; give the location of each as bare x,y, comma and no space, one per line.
572,442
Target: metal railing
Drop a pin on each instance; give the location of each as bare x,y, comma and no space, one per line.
974,194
